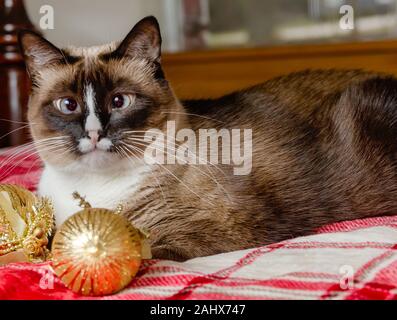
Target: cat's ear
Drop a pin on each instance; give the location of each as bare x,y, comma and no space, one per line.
38,52
144,41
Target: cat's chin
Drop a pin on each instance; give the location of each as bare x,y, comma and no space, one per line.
97,161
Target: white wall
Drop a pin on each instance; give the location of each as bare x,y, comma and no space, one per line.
93,22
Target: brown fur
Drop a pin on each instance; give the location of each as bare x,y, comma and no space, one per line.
324,150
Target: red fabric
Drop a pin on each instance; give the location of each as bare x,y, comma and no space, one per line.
18,166
311,267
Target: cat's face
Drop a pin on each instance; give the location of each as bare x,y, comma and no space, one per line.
87,105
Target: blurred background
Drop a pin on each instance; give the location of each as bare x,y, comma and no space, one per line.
208,24
211,47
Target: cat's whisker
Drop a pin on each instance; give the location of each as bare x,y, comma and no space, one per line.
17,122
30,149
120,149
24,158
30,152
123,153
152,174
34,163
173,175
159,184
193,154
13,131
192,114
210,176
17,151
169,171
130,134
32,143
57,156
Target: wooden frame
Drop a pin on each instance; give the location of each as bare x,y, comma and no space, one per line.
213,73
14,81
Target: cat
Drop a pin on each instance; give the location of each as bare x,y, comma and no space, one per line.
324,146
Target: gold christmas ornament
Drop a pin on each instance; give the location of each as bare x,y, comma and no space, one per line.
26,222
97,251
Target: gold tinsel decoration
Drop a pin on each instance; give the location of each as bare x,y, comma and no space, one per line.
97,251
26,222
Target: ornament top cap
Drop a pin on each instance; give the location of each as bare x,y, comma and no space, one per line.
86,205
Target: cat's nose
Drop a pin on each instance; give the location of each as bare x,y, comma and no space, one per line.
94,136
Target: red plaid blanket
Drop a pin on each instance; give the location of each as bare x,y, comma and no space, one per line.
350,260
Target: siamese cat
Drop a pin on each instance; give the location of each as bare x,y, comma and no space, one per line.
324,146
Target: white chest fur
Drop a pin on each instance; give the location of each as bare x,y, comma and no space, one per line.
102,190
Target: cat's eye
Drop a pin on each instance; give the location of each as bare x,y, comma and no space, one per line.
67,105
122,101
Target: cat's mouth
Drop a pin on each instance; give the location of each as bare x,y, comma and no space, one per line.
86,145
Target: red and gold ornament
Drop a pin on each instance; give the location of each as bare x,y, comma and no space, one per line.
97,251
